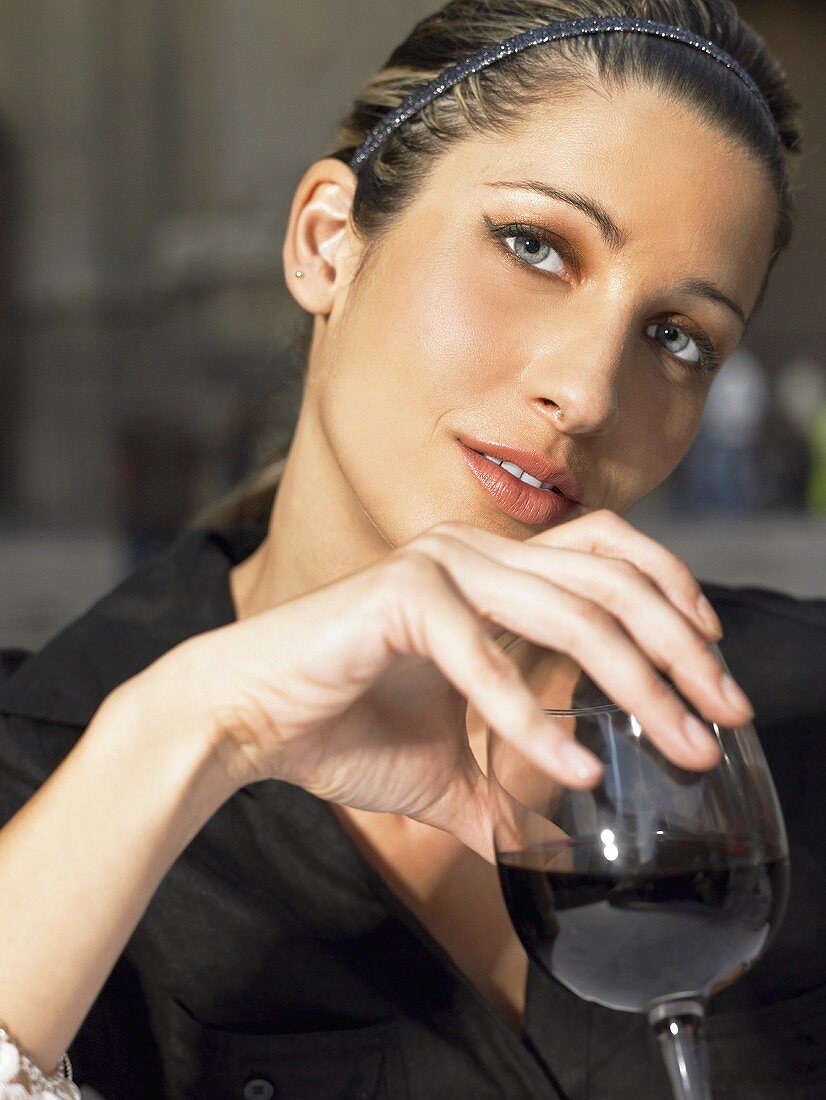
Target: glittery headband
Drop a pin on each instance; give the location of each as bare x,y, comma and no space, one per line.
551,32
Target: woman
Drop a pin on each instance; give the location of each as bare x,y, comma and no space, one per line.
546,263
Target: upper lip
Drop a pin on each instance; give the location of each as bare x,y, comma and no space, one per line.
532,462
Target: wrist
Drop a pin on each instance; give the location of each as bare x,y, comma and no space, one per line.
163,712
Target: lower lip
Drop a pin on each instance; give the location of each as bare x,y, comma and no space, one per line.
537,507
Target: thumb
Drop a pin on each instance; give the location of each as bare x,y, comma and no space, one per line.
464,812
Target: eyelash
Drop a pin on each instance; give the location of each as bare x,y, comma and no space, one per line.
710,361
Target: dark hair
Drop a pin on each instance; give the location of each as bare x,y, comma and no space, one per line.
499,96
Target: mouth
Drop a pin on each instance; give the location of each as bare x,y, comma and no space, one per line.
531,467
522,475
521,493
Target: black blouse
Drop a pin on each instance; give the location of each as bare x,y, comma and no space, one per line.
273,961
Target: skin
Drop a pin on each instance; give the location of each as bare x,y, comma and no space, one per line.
445,333
392,568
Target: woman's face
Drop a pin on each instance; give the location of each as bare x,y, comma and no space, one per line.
585,328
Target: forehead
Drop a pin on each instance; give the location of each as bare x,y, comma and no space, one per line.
683,190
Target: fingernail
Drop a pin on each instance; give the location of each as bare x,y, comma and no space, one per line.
734,696
579,760
709,618
698,734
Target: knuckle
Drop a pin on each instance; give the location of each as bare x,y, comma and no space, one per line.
410,568
638,586
425,545
448,527
703,655
437,540
624,586
692,658
592,618
625,572
583,620
611,520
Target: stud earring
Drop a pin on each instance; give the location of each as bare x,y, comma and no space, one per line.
299,274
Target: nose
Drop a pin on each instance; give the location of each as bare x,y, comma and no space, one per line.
576,382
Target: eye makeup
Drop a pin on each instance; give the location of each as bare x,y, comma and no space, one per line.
709,360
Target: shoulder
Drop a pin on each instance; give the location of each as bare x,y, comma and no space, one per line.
182,592
48,698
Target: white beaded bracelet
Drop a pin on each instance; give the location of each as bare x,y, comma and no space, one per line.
20,1078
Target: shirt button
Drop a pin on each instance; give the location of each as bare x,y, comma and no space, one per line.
258,1088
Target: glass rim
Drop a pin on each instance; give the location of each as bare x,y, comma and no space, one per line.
607,708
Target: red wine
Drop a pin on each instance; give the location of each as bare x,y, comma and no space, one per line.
687,921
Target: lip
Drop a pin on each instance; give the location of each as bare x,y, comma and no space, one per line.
533,463
535,507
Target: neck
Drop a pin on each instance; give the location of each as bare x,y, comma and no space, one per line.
318,531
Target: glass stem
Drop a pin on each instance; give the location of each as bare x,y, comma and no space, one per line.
678,1025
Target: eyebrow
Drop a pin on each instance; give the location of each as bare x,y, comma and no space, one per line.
616,237
611,233
702,288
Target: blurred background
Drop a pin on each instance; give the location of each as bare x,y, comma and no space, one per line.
149,151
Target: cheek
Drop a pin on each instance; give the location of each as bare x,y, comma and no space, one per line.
420,343
454,332
673,434
409,356
658,426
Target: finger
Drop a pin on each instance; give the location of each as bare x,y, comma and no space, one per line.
561,620
465,813
606,533
665,635
427,614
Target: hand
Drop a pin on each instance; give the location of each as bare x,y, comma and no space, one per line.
358,691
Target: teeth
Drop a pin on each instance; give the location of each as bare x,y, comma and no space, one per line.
518,472
530,480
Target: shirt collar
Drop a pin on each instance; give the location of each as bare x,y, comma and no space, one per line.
182,592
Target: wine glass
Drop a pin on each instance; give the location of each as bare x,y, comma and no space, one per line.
653,890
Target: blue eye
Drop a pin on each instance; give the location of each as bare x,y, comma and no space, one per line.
536,247
690,348
531,248
675,340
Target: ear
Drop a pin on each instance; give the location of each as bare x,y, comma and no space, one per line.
319,240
